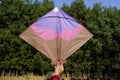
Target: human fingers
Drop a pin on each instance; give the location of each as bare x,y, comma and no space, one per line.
61,67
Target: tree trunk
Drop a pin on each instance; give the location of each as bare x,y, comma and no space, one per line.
9,72
82,73
16,73
70,74
65,74
3,73
33,74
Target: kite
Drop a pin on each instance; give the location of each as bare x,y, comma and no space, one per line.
56,35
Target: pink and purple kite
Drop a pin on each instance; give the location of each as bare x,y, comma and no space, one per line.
57,35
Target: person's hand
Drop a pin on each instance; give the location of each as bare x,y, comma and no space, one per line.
59,68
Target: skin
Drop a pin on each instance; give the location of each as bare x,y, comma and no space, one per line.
59,68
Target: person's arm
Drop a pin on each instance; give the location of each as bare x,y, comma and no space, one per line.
58,70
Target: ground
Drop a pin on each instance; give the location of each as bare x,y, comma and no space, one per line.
26,78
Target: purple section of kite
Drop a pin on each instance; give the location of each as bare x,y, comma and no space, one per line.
56,23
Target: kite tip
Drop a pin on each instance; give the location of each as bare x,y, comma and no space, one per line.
56,9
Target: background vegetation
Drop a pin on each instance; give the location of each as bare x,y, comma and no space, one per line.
98,58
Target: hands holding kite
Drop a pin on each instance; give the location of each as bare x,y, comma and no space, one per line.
59,68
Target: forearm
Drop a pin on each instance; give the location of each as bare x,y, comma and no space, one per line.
58,70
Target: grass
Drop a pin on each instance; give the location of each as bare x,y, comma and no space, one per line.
31,77
27,78
22,78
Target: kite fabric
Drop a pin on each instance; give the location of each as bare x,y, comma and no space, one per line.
57,35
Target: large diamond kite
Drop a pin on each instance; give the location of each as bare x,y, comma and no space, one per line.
56,35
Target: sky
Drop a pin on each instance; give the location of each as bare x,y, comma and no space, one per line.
89,3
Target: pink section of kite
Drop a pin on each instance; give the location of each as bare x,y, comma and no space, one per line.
46,34
70,33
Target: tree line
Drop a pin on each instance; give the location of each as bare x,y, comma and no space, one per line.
99,57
